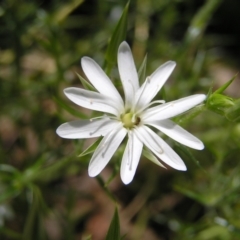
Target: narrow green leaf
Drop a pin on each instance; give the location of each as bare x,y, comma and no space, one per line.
149,155
8,168
142,70
9,234
63,12
190,194
118,36
91,148
201,20
8,193
66,107
114,229
188,153
189,115
226,85
85,83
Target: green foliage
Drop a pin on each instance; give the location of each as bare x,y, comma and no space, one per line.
224,105
45,191
114,228
117,37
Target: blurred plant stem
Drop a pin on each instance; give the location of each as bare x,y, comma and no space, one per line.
106,189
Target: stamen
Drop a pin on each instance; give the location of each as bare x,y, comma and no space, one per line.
101,125
154,144
152,112
150,104
111,102
158,145
130,156
104,116
131,84
143,88
133,118
108,138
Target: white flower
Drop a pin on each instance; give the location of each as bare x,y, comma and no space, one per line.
134,118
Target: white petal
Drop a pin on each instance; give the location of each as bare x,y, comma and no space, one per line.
128,72
172,109
105,150
92,100
80,129
160,148
177,133
131,158
99,79
153,84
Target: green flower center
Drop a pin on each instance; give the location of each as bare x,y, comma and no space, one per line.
129,120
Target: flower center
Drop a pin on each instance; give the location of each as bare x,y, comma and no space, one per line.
129,120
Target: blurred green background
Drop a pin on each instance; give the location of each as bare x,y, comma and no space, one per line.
45,192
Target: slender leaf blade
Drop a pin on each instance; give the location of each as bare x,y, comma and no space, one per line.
85,83
91,148
69,109
114,229
118,36
142,70
226,85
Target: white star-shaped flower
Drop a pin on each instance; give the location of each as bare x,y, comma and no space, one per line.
133,118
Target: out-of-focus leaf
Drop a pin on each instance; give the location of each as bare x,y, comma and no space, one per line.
114,229
187,152
142,70
214,232
66,107
65,10
10,234
8,168
201,20
90,149
35,215
8,193
85,83
190,193
105,188
118,36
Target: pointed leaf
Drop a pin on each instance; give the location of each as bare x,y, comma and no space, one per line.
142,70
226,85
201,20
189,193
86,84
8,168
9,193
70,110
149,155
64,11
114,229
118,36
188,153
91,148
